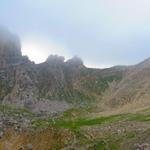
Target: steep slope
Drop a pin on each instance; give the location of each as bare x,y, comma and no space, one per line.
133,89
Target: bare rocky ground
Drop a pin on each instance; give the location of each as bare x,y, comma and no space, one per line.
73,130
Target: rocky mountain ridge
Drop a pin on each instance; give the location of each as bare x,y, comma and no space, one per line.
63,84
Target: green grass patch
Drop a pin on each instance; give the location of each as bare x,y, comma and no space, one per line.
99,146
131,135
75,124
140,117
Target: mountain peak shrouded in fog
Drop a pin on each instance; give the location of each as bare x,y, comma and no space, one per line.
9,39
77,61
10,51
30,85
55,59
10,48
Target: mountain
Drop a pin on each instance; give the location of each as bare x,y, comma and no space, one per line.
24,83
64,84
65,105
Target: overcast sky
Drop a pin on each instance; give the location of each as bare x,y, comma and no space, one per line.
102,32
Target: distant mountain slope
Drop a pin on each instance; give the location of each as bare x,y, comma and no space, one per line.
133,88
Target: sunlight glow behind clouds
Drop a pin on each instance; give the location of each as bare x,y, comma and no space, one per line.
39,49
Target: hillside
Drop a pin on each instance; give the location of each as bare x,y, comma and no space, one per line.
133,89
64,105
